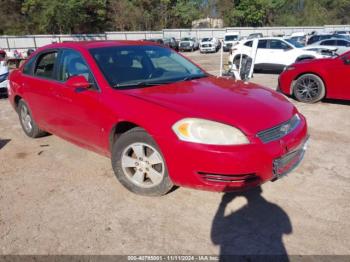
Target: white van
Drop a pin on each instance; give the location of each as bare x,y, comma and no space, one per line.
229,40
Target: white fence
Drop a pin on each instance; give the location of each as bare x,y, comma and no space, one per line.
35,41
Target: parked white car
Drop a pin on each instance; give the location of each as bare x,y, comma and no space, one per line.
273,54
4,72
230,40
209,44
341,45
188,44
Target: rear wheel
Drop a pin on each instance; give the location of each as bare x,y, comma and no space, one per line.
309,88
139,164
28,124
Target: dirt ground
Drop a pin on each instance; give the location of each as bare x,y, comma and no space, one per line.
56,198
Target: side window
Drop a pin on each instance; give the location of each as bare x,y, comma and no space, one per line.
342,43
329,42
73,64
249,43
262,44
45,65
27,68
277,44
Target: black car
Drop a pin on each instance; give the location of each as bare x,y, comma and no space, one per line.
171,42
156,40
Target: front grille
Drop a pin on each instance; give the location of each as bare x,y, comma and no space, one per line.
279,131
224,178
186,44
206,45
287,163
229,45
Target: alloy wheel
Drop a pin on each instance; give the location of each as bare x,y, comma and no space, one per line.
26,119
143,165
307,89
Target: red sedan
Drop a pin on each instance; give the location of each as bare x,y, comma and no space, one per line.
161,119
310,81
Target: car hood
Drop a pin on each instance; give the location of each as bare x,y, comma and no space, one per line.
244,105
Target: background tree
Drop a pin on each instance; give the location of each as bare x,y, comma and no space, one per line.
95,16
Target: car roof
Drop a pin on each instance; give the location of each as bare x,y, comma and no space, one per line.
98,44
267,38
332,38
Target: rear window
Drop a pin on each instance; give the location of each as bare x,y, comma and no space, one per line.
249,43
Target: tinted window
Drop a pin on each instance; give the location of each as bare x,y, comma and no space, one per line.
249,43
277,44
129,65
231,38
329,42
342,43
262,44
28,67
45,65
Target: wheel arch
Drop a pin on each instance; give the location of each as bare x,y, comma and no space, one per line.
304,57
120,128
16,100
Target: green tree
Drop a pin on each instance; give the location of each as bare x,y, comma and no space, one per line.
70,16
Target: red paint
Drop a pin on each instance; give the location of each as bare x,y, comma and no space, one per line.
334,72
87,119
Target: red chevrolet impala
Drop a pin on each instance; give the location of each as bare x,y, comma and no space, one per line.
161,119
310,81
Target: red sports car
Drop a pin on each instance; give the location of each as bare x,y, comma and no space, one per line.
310,81
161,119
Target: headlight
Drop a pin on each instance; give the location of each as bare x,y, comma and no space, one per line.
289,68
208,132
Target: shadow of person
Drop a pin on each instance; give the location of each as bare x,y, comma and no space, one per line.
255,229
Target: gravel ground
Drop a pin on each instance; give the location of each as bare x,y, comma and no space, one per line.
56,198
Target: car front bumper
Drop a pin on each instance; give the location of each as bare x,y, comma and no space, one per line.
234,168
207,49
186,48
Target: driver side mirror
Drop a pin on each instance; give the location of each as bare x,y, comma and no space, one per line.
78,82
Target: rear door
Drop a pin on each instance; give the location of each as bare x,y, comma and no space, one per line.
39,76
262,55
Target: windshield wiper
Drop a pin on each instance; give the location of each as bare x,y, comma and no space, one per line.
138,84
192,77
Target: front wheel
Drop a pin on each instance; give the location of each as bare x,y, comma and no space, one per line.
309,88
139,164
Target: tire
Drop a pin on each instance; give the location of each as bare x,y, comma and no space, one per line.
309,88
133,167
246,66
28,124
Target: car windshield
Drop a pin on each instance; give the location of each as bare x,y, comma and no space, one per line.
186,39
140,66
231,37
295,43
207,39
